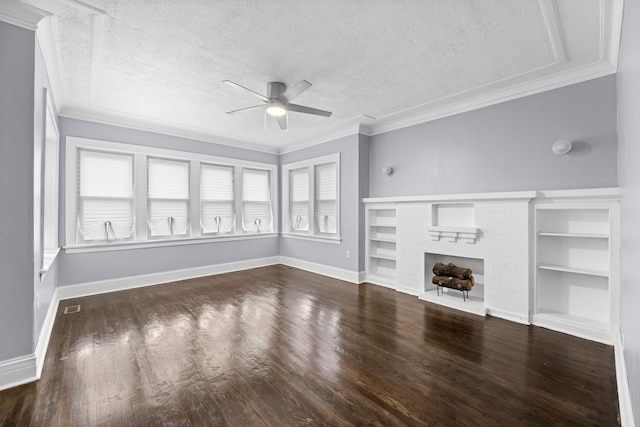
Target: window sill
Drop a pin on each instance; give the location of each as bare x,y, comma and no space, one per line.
324,239
47,260
162,243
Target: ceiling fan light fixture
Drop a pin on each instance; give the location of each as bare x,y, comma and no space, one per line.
276,109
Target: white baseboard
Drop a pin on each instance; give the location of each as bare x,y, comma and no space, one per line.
45,332
325,270
18,371
120,284
408,291
624,398
507,315
572,328
380,281
362,277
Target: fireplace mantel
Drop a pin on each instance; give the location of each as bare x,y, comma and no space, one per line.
502,195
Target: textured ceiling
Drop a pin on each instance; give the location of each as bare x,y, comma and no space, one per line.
160,64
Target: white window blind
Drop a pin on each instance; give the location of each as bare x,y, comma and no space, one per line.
256,201
299,199
216,199
325,201
167,197
105,196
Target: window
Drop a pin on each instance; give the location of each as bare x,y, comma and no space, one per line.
311,198
256,201
217,206
121,195
167,197
326,201
105,196
299,199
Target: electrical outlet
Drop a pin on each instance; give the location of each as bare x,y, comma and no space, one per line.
348,254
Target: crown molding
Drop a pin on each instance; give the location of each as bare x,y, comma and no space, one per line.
166,129
364,124
450,106
21,15
348,127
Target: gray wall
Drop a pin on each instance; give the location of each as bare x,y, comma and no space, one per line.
89,267
44,288
17,52
505,147
363,179
351,149
628,79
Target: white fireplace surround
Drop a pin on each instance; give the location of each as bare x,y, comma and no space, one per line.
501,230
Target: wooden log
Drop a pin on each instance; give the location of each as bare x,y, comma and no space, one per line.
453,282
450,270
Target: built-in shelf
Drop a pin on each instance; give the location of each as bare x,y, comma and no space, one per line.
382,239
382,256
382,224
579,235
381,245
576,270
576,257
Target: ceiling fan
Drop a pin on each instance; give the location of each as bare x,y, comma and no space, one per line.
277,102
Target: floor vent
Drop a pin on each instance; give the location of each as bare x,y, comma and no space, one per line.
72,309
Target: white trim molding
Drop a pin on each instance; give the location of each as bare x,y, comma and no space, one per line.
508,315
325,270
624,397
21,14
18,371
26,369
45,333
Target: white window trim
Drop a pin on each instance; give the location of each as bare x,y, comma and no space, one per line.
50,195
140,193
286,224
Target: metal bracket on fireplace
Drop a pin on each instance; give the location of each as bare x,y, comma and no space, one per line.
453,234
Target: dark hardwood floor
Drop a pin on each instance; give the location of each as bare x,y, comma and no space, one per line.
278,346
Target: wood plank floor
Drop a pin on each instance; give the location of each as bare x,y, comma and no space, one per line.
277,346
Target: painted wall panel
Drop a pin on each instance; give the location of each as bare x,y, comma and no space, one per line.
363,181
17,49
628,79
505,147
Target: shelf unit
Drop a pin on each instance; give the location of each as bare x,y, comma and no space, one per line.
576,263
380,254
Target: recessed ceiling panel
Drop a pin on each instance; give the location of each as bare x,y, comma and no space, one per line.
162,63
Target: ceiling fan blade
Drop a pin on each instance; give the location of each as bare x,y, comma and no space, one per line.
283,122
254,93
308,110
296,90
242,110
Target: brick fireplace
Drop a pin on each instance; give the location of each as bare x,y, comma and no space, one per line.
488,233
